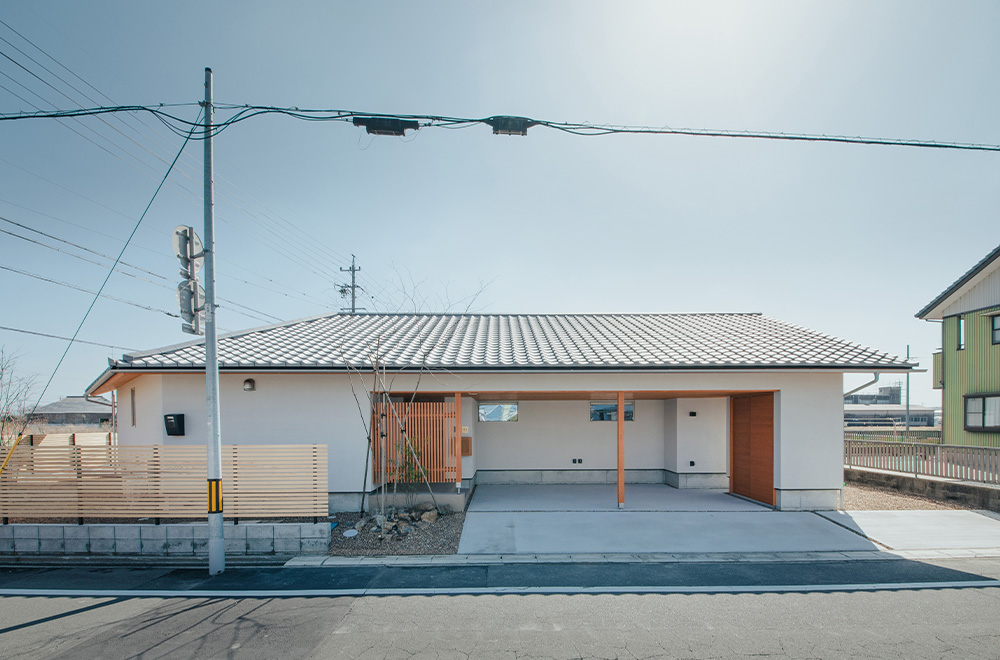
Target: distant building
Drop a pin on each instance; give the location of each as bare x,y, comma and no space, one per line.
891,394
967,368
887,414
74,411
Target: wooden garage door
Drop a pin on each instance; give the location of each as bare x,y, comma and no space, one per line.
752,447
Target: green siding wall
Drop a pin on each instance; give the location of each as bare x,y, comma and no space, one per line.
974,370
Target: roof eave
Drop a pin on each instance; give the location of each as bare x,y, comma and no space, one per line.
932,311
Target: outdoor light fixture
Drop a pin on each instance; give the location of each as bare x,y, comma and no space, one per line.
249,385
504,125
386,125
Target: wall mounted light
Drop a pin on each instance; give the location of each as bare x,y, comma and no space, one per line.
249,385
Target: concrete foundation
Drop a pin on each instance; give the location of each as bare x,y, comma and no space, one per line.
808,500
696,479
185,539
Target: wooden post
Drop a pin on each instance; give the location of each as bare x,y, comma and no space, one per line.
458,441
621,450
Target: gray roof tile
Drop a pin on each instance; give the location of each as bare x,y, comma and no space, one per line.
526,341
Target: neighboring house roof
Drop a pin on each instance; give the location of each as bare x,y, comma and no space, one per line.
75,405
977,274
487,342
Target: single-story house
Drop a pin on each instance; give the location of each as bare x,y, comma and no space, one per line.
738,401
74,411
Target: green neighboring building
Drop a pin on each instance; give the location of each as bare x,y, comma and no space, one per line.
968,366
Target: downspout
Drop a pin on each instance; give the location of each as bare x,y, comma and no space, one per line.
858,389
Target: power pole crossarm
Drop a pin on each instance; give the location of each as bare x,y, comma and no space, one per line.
353,270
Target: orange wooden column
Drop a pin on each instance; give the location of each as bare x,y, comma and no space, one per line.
458,441
621,450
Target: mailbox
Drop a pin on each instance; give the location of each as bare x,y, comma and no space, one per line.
174,423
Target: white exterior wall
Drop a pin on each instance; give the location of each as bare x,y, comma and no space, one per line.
549,434
320,408
703,439
285,408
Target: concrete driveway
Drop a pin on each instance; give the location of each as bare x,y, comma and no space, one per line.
576,519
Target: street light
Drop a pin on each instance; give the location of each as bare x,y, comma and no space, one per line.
506,125
386,125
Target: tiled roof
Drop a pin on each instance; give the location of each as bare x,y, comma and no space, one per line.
983,264
75,404
525,341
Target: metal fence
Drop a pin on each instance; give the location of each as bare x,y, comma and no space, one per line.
980,464
930,435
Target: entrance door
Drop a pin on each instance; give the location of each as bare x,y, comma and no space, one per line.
752,447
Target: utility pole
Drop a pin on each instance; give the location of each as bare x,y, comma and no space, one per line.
354,287
907,390
216,540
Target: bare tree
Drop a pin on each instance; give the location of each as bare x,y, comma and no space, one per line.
15,390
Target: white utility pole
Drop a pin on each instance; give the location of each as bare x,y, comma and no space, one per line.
907,390
216,539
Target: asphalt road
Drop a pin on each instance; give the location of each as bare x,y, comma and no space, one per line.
890,622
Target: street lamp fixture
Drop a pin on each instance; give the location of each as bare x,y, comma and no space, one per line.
505,125
386,125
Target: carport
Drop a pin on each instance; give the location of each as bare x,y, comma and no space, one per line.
585,519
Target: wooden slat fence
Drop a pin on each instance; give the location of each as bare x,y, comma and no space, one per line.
979,464
430,427
162,481
89,439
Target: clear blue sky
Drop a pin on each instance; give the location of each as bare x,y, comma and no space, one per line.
848,240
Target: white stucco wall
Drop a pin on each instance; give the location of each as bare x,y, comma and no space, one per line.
549,434
313,407
285,408
703,438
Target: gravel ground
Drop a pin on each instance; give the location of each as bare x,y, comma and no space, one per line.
871,498
436,538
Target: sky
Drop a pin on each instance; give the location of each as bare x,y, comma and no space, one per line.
850,240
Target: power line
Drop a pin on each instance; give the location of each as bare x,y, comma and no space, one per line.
98,293
78,341
79,288
258,315
244,112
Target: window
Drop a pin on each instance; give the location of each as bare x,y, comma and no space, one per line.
961,333
995,321
982,412
601,411
132,404
497,412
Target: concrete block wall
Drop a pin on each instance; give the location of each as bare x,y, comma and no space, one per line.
189,539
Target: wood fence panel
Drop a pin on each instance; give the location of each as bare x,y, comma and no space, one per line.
429,426
162,481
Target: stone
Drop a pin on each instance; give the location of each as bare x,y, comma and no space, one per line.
405,528
361,524
424,506
429,516
351,533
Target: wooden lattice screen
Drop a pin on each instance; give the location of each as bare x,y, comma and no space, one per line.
430,427
157,481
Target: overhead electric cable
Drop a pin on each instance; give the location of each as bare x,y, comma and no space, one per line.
78,341
98,293
258,315
243,112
